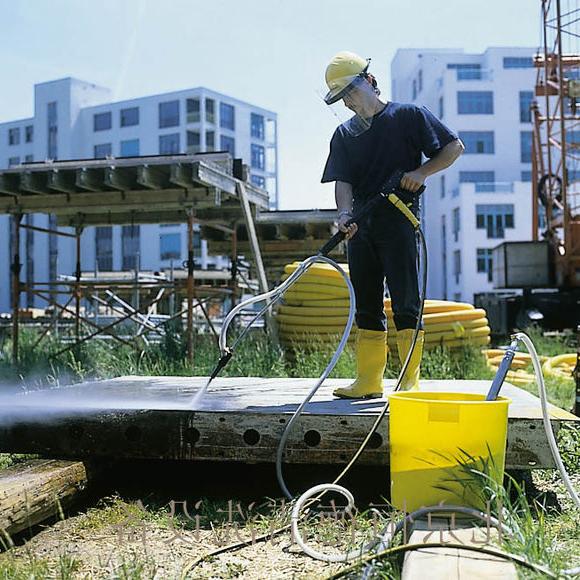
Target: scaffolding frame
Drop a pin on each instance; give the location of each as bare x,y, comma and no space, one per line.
204,189
555,148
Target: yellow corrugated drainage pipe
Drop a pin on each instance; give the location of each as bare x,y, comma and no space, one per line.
315,310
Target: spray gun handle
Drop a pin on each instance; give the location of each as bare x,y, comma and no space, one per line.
392,185
339,236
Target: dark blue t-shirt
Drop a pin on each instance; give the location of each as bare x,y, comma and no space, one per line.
397,137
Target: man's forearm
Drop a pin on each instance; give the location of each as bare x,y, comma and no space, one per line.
443,159
343,196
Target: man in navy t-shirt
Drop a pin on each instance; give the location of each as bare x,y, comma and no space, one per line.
381,138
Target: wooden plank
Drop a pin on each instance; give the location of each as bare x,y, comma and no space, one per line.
95,201
298,216
35,490
61,181
251,228
453,563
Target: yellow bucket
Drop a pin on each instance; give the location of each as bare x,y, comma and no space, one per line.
437,439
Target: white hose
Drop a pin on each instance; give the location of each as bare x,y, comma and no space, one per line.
383,540
345,334
546,417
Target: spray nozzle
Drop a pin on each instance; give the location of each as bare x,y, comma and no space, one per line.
222,362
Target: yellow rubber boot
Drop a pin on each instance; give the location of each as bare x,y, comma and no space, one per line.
404,338
371,359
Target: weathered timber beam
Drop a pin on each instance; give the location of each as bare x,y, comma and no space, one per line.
90,179
301,216
180,175
35,490
61,181
163,216
9,184
119,179
33,182
151,177
81,202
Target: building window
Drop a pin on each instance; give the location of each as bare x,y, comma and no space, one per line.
258,180
193,111
484,262
130,236
477,142
130,148
210,140
526,146
526,99
29,133
28,158
210,111
102,121
457,296
104,248
257,126
227,116
456,223
228,144
12,161
476,176
170,246
526,176
475,102
258,157
129,117
169,144
495,219
169,114
457,265
14,136
441,110
414,90
193,142
420,81
103,150
466,71
442,186
518,62
52,126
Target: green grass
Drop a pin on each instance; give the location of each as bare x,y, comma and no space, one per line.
65,567
543,534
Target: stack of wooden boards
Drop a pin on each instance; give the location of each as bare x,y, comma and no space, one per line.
315,309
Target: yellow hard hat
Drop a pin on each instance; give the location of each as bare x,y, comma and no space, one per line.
344,68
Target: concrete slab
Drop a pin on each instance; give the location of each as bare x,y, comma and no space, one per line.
239,419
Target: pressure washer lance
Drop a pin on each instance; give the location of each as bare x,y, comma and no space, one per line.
388,192
502,370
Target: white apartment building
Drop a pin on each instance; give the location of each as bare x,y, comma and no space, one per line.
74,119
485,198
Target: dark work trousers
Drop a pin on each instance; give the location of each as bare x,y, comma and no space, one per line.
384,249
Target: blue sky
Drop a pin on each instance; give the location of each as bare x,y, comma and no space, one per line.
269,52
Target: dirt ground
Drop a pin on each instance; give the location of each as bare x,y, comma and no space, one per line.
152,550
123,546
